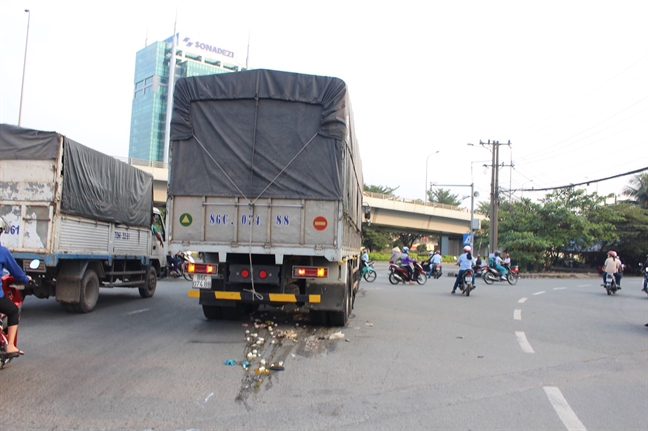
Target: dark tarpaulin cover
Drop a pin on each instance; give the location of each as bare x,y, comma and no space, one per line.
18,143
95,185
253,124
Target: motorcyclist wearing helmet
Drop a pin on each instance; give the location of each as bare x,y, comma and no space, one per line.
435,259
499,266
406,262
7,306
610,266
465,262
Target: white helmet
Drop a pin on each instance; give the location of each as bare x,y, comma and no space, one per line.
467,248
4,226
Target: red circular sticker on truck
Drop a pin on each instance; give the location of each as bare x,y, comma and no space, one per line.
320,223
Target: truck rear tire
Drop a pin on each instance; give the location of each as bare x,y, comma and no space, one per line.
341,318
89,292
151,284
213,312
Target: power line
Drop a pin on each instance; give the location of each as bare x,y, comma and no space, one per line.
583,183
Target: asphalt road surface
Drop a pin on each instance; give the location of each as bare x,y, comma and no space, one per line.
541,355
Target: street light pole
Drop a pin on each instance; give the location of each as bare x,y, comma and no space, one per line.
22,88
427,186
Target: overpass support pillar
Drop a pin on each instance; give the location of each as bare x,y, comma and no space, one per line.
444,244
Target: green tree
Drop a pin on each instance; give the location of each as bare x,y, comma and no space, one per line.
375,240
637,189
565,221
380,189
407,238
443,196
483,207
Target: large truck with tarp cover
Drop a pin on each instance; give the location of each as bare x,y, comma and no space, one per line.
84,216
265,182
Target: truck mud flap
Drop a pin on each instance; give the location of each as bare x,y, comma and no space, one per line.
68,279
210,297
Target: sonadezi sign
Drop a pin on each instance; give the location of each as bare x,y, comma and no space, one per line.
207,47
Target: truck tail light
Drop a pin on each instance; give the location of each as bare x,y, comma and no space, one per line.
202,268
245,273
309,272
263,274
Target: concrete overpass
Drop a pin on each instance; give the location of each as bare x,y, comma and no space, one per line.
445,222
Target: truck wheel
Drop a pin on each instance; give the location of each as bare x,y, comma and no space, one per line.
89,287
341,318
212,312
318,317
151,284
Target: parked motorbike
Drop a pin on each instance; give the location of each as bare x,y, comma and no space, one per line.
368,272
466,282
491,275
399,274
438,272
610,284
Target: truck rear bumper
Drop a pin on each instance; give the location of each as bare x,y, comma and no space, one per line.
220,298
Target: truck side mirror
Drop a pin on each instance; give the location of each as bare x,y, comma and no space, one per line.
366,209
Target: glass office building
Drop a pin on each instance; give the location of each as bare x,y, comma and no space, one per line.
148,116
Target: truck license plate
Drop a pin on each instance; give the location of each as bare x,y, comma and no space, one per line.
202,281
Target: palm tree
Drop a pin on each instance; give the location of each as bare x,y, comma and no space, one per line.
638,189
443,196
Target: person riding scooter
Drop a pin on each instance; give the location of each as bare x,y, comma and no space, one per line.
406,262
7,307
435,260
496,262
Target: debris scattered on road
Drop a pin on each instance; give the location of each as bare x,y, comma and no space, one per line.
337,336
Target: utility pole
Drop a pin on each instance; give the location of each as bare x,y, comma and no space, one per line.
494,196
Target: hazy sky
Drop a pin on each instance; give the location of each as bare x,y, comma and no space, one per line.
565,81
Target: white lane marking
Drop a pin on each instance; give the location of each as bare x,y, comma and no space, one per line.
524,343
560,288
517,314
539,293
584,285
522,301
565,413
138,311
209,396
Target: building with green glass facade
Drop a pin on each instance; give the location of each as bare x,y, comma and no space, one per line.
148,117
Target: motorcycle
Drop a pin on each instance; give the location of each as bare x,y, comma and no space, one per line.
466,282
10,291
492,275
610,284
368,272
645,278
480,270
185,259
438,271
399,274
